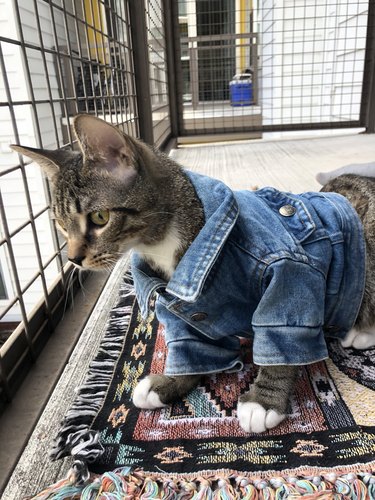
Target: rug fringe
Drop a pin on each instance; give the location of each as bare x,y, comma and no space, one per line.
75,437
125,484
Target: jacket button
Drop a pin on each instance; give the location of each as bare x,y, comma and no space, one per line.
198,316
287,210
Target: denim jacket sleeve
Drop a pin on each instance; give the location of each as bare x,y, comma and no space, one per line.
192,353
288,322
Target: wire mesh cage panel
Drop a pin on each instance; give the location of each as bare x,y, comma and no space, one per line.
57,58
158,70
270,65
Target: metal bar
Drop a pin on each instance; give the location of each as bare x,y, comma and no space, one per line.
194,80
4,384
6,309
176,62
278,128
60,71
22,226
10,170
158,122
118,71
159,106
23,103
45,67
141,69
66,26
37,274
89,60
111,46
17,283
80,58
130,79
46,50
13,301
4,218
53,115
219,47
99,62
123,54
217,38
24,177
367,112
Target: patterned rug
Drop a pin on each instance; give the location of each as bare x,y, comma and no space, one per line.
195,448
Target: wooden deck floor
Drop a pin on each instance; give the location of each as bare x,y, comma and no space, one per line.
287,164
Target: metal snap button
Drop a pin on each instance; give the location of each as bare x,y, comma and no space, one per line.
198,316
287,210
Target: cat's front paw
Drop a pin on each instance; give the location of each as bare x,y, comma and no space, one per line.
156,391
145,397
254,418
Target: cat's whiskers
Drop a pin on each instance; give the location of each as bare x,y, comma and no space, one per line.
69,290
157,254
80,281
106,267
111,262
106,262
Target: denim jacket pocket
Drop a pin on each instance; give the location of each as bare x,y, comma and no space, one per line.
292,212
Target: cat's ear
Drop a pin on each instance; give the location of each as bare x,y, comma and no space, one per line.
100,140
48,160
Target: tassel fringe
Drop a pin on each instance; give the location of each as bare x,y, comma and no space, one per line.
124,484
75,437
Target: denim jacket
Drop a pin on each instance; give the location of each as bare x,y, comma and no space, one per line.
284,269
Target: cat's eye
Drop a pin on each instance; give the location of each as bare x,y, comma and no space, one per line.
100,217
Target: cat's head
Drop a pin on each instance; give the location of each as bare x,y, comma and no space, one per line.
106,198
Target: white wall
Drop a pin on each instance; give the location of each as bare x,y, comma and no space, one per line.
270,52
311,65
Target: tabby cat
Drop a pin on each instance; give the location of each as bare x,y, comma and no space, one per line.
118,194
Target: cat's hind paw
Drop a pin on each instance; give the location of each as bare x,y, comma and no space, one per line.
144,397
359,339
254,418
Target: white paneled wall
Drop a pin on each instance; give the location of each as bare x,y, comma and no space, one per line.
312,60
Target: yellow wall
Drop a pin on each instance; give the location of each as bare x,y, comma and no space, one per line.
245,7
92,13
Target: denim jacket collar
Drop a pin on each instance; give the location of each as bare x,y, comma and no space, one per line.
186,283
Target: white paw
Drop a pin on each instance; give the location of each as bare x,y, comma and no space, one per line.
359,340
145,398
254,418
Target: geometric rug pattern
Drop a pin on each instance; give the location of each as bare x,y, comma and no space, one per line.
327,439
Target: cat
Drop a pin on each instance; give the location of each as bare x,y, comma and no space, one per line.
117,194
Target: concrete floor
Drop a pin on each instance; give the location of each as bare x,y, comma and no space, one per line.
289,165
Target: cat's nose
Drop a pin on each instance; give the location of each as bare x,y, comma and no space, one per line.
77,260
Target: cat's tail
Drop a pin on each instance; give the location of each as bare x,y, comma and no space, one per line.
364,169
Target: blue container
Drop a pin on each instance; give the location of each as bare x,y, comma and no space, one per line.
241,90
